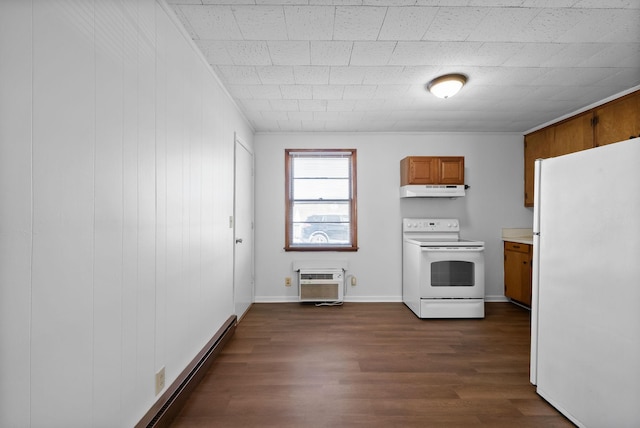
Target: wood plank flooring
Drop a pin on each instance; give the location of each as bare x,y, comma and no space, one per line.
371,365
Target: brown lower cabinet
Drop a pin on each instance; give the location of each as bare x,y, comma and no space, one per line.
517,272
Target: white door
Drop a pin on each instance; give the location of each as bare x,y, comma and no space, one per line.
243,228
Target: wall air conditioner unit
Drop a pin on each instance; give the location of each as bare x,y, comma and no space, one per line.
321,285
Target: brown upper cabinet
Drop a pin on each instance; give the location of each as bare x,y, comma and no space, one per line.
537,145
432,170
617,120
572,135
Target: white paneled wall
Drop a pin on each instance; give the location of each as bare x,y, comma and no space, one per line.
63,212
116,180
15,212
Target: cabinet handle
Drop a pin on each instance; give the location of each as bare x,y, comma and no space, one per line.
516,246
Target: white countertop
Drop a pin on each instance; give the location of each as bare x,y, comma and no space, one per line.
519,235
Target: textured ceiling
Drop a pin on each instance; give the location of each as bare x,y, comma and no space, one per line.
362,65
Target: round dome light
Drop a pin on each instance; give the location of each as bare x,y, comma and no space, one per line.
447,86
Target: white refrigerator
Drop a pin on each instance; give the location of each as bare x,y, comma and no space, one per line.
585,332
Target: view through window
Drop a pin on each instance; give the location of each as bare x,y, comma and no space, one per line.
321,200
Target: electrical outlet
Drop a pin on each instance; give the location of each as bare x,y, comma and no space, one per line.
287,281
159,381
353,281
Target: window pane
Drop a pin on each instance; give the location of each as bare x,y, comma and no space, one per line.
302,210
310,188
320,167
318,223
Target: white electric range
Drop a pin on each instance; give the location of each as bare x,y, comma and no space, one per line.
442,274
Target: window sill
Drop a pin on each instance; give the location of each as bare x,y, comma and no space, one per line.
323,248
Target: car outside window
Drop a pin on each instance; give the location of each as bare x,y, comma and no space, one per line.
320,200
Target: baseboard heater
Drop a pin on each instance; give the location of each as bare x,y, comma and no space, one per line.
167,407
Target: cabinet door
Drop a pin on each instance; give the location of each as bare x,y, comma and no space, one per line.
573,135
517,273
450,170
618,120
614,121
422,170
537,145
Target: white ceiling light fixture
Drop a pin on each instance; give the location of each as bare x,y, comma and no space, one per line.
447,86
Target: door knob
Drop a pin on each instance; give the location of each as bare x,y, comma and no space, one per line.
239,241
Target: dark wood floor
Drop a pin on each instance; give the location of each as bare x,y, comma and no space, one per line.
371,365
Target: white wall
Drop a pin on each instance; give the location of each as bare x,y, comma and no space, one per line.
116,186
493,169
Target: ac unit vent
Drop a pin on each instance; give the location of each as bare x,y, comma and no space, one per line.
313,276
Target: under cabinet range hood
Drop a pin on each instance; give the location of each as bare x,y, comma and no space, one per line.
432,191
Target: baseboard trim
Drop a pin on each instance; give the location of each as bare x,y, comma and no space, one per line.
347,299
495,298
363,299
167,407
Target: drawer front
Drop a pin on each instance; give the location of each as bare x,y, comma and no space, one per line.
516,246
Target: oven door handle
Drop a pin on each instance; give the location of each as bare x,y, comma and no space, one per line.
454,249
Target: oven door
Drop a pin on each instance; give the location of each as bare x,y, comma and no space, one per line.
452,272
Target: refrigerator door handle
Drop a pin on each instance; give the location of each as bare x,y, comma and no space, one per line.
535,270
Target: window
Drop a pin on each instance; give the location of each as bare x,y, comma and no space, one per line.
320,200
